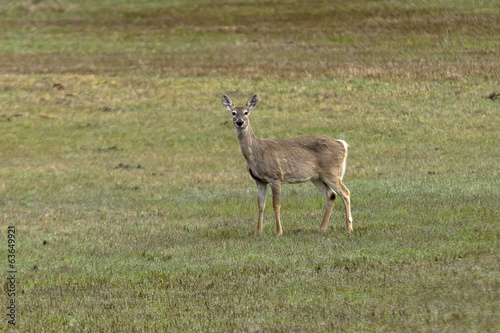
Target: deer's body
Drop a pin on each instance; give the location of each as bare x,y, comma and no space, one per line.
273,160
319,159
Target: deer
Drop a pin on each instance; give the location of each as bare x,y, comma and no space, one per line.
318,158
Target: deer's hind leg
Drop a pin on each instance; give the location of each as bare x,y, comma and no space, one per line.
330,196
336,185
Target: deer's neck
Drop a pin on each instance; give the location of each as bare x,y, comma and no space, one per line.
249,144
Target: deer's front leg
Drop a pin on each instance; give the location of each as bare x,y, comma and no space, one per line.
261,192
276,188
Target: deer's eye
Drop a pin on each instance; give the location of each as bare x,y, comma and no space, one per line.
245,113
233,113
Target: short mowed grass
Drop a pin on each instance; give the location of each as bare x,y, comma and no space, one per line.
122,173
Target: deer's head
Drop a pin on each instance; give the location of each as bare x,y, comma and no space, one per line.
240,113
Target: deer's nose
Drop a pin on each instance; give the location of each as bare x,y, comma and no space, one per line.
239,122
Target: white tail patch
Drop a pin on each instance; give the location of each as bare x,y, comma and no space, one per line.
345,159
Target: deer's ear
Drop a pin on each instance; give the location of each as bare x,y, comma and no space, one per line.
227,103
251,103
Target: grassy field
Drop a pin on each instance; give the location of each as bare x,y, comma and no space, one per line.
123,177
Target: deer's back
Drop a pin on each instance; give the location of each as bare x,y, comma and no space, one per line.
310,145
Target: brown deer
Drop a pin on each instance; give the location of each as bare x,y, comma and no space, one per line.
318,158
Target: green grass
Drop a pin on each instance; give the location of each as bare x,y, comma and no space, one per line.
132,205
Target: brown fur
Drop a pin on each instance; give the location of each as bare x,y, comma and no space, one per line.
317,158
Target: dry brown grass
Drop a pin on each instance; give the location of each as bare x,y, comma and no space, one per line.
293,40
